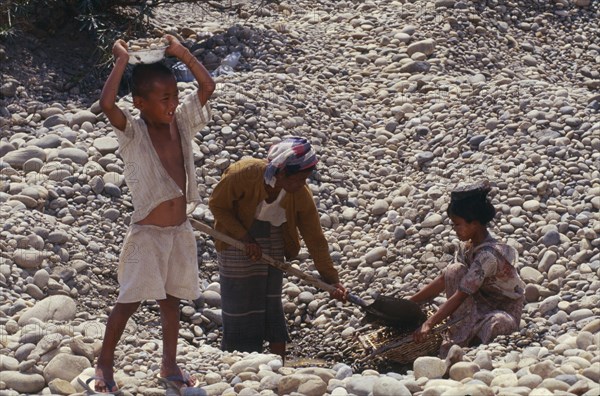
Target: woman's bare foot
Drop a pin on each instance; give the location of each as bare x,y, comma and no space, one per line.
177,377
105,381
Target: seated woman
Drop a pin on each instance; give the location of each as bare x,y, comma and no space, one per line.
265,203
482,287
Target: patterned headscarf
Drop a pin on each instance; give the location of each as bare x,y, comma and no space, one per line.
292,154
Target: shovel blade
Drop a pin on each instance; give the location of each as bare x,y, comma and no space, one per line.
399,313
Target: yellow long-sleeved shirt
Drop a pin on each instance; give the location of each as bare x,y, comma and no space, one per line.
236,197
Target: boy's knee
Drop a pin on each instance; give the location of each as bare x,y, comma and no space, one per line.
125,309
169,304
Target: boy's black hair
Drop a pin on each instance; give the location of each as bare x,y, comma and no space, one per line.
471,203
143,75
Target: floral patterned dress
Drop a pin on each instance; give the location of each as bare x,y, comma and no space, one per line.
488,274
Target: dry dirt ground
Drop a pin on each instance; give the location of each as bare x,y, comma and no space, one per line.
62,63
62,66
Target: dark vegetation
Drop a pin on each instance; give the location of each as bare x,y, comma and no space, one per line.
100,20
65,45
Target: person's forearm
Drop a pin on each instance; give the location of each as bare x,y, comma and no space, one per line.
108,97
430,291
309,225
228,222
447,308
206,84
323,262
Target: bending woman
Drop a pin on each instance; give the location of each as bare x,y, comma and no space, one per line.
483,287
265,203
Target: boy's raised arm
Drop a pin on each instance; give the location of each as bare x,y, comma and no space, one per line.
108,98
206,84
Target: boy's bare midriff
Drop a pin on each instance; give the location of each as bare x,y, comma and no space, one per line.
167,213
167,144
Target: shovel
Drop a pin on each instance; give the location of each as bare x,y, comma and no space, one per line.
395,312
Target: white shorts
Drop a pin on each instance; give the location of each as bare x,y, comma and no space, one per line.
158,261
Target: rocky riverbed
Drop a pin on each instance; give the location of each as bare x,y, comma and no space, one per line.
402,100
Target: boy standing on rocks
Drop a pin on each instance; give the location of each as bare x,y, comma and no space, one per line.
159,259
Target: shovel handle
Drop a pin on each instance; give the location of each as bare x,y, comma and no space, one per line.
269,260
266,258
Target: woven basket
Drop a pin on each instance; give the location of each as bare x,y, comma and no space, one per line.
399,347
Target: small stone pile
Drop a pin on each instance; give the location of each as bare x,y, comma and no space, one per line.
402,100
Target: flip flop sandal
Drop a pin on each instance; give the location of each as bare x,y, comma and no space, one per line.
109,384
173,389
